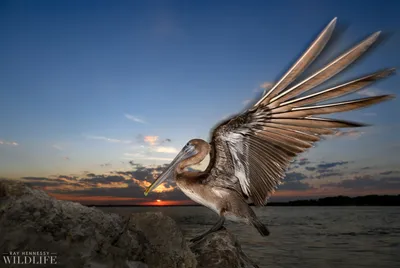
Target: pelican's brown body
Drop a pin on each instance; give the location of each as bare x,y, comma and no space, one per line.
250,152
227,203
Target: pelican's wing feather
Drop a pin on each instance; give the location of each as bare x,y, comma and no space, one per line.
255,148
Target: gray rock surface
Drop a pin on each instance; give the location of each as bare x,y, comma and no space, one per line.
80,236
221,249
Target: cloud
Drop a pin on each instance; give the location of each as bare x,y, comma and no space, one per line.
64,183
325,174
133,164
327,169
264,87
159,158
135,118
303,161
167,150
295,186
225,117
294,176
390,172
11,143
37,178
107,139
367,182
118,187
326,166
106,165
293,181
66,158
152,140
65,178
127,187
350,133
138,155
149,148
57,147
146,157
370,92
324,169
247,102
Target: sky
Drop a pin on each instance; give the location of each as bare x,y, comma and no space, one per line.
97,96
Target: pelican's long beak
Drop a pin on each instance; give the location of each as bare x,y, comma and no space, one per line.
185,153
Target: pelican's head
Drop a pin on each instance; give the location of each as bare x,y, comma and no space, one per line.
187,151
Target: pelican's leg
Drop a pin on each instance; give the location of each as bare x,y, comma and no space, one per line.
217,226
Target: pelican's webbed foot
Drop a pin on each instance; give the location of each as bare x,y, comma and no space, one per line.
217,226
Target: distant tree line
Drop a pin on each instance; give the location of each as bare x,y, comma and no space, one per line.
368,200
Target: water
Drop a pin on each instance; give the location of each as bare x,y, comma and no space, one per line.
339,237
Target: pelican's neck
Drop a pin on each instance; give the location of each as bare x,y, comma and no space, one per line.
202,148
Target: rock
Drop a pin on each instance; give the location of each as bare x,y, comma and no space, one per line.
166,242
221,250
78,236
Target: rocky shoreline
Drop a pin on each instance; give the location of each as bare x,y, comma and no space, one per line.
78,236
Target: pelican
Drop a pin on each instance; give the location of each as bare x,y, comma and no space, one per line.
250,152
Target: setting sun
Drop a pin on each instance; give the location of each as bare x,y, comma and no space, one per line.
158,200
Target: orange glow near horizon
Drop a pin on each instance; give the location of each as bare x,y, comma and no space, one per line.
143,201
113,200
168,203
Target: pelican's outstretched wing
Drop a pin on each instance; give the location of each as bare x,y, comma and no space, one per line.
255,148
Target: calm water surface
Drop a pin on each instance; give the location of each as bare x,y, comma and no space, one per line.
303,237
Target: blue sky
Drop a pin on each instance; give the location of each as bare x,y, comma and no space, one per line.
87,86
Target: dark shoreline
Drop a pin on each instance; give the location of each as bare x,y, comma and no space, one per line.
368,200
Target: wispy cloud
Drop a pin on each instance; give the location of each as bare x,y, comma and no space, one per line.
145,157
150,149
159,158
225,117
165,141
106,164
247,102
163,149
266,85
350,133
107,139
135,155
11,143
135,118
157,145
152,140
66,158
368,182
370,92
57,147
121,186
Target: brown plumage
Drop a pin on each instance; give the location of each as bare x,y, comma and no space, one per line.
250,152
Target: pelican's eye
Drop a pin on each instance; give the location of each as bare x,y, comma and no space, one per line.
189,147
